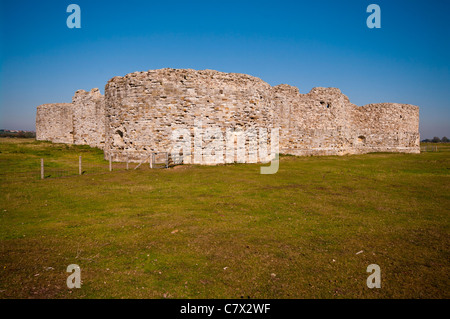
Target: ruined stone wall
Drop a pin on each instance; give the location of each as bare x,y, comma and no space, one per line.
140,111
81,122
89,118
325,122
316,123
143,108
385,127
54,123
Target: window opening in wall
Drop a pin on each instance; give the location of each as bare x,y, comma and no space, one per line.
328,105
362,139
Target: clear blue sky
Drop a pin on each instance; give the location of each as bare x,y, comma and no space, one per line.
302,43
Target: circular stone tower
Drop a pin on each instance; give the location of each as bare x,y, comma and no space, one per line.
144,108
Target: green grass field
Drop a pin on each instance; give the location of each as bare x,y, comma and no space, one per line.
225,231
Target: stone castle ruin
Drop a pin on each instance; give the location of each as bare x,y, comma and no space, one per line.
140,111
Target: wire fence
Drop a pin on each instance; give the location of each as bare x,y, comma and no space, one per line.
429,148
47,168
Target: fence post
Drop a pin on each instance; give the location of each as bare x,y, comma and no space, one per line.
151,159
42,168
110,164
127,161
80,171
167,159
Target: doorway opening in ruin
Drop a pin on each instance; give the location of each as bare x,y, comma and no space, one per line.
178,159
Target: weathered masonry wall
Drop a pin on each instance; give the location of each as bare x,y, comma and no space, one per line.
316,123
324,122
81,122
386,127
140,111
54,122
143,108
89,118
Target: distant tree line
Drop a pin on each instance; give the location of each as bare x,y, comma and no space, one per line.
437,140
21,134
